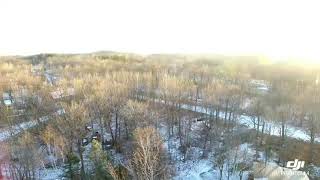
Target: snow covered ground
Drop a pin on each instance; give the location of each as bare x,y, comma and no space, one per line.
51,174
203,169
197,170
195,167
272,128
15,130
7,133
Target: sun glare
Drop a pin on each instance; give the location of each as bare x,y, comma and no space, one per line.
278,29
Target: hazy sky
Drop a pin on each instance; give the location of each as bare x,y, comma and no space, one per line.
278,28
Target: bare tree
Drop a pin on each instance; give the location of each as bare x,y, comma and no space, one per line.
72,126
148,160
27,158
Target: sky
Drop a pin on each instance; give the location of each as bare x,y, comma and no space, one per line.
276,28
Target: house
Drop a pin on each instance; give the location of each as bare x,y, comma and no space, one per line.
7,99
58,94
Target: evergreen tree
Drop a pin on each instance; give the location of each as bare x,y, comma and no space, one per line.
72,166
100,161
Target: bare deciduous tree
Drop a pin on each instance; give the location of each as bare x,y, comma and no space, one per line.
148,160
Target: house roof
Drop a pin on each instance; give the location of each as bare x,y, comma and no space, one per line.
7,102
61,93
57,94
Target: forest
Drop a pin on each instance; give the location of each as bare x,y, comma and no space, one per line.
112,115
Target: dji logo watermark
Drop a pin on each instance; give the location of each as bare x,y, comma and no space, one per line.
295,165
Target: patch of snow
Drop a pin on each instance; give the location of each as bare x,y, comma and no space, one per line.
273,128
191,170
7,133
51,174
17,129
